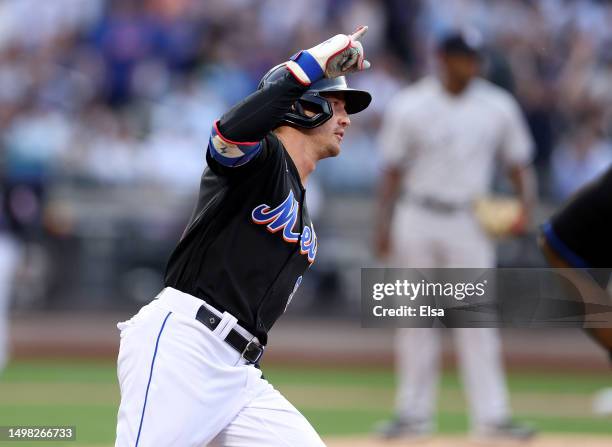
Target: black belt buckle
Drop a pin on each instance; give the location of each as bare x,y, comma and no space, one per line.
252,352
439,206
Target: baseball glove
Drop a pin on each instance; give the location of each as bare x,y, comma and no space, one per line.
498,215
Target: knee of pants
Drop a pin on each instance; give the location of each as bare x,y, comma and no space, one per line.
270,420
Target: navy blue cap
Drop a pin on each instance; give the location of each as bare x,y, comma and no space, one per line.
466,42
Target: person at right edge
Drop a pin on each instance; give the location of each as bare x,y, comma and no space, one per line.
579,236
439,140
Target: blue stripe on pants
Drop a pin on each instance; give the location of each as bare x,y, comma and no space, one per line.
150,376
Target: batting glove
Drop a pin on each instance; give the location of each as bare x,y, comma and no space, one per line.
335,57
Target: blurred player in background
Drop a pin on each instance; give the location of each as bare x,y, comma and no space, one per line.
9,260
439,140
579,235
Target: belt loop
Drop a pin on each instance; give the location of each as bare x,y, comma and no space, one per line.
227,323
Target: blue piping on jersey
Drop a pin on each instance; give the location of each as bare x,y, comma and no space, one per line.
561,248
229,161
150,376
249,149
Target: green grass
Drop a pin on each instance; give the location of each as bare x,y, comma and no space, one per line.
523,381
336,401
94,423
60,371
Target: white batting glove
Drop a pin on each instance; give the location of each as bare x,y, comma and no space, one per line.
335,57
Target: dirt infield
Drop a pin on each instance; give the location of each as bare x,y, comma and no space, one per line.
448,441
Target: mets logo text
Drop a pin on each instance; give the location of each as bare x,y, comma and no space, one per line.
283,218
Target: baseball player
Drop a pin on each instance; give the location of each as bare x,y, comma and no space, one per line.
579,235
9,261
439,140
187,364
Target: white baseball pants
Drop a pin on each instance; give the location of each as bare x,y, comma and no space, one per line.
426,239
9,260
182,385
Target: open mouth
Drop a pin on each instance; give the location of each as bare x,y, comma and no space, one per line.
340,135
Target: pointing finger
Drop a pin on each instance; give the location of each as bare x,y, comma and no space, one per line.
359,32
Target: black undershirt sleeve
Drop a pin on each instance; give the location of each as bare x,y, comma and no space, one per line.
259,113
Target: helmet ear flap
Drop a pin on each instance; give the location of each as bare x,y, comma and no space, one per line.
298,108
319,107
356,100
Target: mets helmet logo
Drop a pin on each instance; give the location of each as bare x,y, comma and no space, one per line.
283,218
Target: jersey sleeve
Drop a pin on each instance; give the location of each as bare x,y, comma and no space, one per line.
394,138
516,146
231,153
266,156
579,230
237,137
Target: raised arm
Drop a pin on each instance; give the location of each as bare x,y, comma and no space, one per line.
237,137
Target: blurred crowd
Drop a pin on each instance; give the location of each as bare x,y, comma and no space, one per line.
123,91
121,94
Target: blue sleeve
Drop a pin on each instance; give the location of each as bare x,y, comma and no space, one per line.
561,247
231,153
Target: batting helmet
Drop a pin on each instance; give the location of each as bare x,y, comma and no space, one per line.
356,100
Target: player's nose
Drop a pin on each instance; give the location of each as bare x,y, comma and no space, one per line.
343,119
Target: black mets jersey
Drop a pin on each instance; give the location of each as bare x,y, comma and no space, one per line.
581,232
250,239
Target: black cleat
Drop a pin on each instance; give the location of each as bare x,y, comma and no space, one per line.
402,428
509,430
